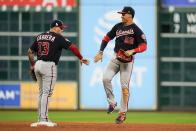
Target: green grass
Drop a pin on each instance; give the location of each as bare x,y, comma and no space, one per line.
98,116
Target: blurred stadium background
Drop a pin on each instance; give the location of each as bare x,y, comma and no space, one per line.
164,77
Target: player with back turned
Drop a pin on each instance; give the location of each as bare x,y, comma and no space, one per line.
48,47
129,41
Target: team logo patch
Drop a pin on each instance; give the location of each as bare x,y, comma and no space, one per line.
143,36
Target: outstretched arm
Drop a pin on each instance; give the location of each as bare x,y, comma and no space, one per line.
77,53
109,36
104,43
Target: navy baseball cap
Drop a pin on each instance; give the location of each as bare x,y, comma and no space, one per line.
58,23
128,10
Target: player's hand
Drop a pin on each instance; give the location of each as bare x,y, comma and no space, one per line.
98,56
129,52
84,61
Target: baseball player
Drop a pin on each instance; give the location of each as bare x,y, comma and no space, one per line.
129,41
48,47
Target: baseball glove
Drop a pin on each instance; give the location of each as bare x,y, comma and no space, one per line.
32,74
120,55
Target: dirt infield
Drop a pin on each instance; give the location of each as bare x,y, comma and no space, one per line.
67,126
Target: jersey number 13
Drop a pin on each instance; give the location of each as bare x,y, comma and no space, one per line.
43,48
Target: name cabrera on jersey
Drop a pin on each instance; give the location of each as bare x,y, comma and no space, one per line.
49,45
127,36
46,37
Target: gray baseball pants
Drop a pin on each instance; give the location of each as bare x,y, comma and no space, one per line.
125,70
46,73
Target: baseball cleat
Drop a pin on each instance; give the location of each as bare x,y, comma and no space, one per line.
111,108
34,124
43,124
121,118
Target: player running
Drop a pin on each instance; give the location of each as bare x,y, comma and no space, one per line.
129,40
48,47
